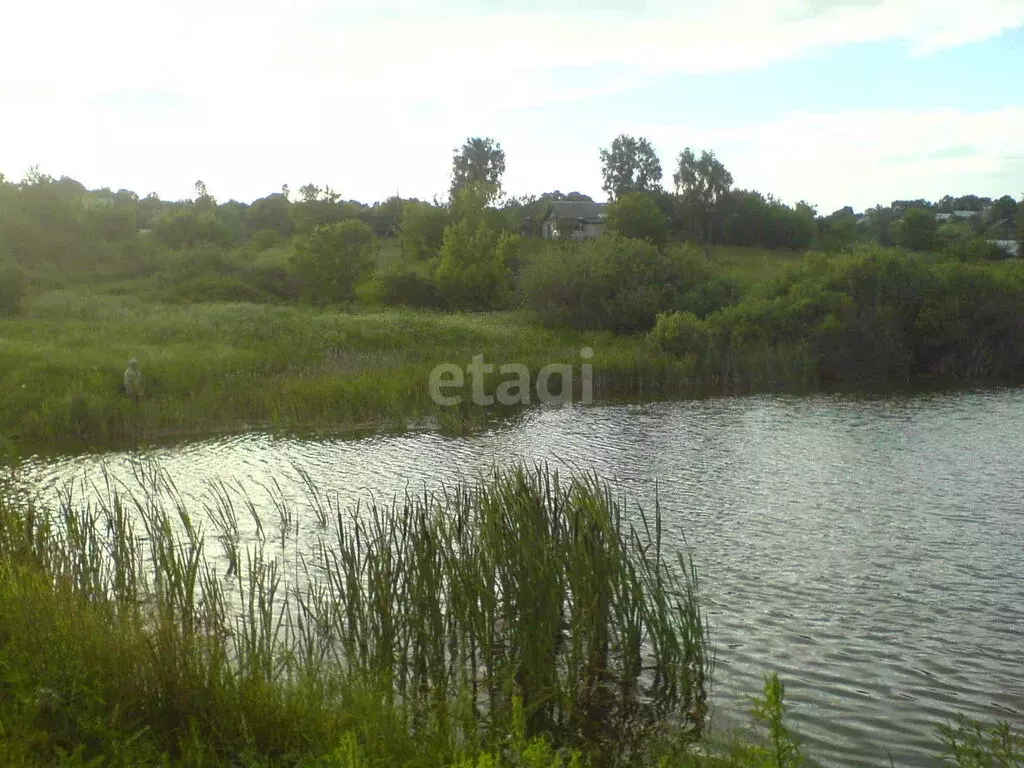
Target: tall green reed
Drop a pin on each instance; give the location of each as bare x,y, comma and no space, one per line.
440,611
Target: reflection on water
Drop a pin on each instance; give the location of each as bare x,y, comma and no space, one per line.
871,551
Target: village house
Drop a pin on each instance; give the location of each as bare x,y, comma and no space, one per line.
573,220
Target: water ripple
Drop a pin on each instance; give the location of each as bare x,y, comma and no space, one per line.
869,550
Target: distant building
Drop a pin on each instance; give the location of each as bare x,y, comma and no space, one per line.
573,220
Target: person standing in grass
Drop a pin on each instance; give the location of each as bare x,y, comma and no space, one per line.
133,380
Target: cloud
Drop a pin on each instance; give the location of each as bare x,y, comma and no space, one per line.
863,157
248,94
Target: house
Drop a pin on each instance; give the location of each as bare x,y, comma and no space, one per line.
573,220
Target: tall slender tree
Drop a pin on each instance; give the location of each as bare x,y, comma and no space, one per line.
478,161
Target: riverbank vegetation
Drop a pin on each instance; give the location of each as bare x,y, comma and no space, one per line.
523,619
307,311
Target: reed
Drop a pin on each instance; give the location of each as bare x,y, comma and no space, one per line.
445,617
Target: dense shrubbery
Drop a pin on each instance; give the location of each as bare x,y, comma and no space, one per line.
868,318
618,284
422,230
333,258
405,287
636,215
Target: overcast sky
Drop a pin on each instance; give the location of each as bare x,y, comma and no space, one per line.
837,103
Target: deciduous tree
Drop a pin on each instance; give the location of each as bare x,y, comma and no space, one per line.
478,161
704,181
334,257
630,165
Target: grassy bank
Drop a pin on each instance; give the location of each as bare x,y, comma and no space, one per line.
753,320
521,620
219,366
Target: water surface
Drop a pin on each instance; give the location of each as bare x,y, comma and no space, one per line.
870,551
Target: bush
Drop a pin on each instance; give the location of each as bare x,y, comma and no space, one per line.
611,283
218,288
333,258
422,230
637,216
917,230
12,288
470,273
872,317
407,288
681,333
263,239
975,249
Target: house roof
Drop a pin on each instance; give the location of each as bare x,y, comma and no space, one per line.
564,209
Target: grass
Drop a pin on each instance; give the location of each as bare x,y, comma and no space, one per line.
753,265
233,366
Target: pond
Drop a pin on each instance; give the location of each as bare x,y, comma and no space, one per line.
869,550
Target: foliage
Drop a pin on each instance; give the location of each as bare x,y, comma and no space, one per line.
917,230
972,744
272,212
631,165
422,230
610,283
636,215
837,231
867,318
333,258
478,161
405,287
470,272
702,183
784,749
187,227
974,249
681,333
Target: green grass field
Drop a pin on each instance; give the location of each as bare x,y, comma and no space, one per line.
234,366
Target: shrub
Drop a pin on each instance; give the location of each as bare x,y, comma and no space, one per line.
422,230
975,249
333,257
219,288
610,283
637,216
406,287
681,333
470,273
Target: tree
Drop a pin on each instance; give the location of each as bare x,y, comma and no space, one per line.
334,257
637,216
917,230
422,229
704,181
188,227
204,200
271,212
631,165
479,161
837,230
1003,208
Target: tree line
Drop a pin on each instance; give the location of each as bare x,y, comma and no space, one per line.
469,251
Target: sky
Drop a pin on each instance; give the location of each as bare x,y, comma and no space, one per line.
844,102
